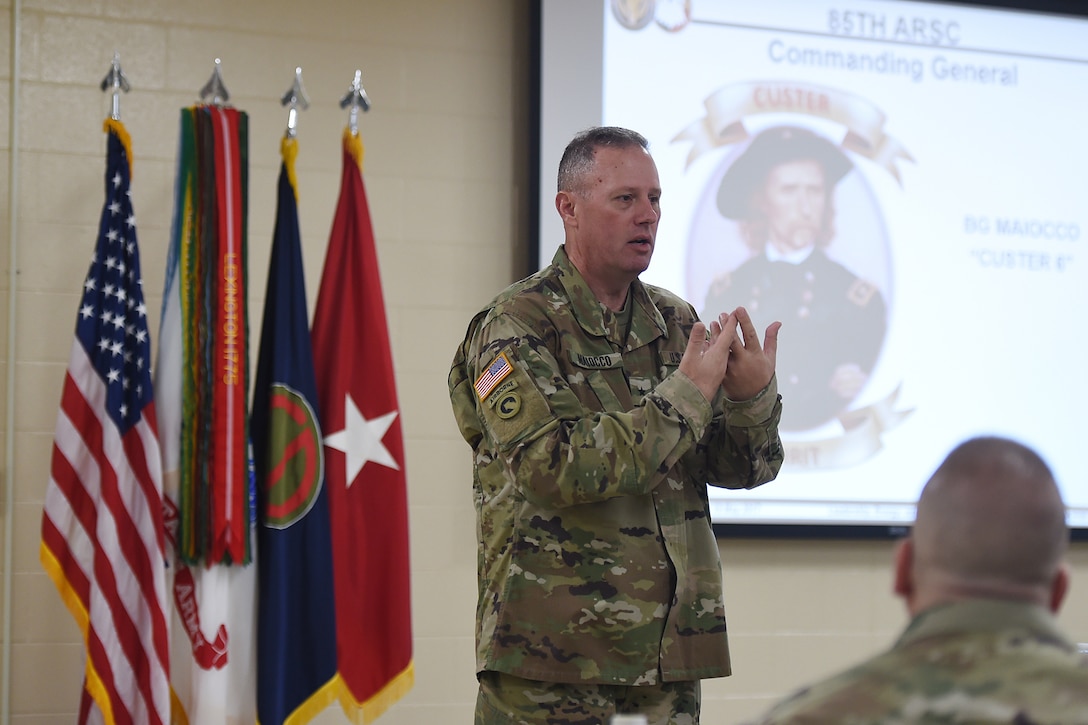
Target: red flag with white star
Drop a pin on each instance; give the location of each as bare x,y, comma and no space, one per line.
364,459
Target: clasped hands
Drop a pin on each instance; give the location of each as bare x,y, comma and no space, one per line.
720,356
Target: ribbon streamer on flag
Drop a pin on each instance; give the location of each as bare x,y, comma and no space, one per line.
216,510
364,459
102,525
296,645
201,386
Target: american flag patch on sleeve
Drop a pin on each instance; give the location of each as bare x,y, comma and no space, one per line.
499,368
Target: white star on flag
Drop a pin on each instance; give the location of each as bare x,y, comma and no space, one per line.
361,440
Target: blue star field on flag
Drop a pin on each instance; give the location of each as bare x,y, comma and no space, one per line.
112,321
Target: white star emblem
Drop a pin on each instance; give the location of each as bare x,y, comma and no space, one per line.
361,440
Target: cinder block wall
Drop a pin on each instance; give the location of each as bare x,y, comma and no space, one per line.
446,167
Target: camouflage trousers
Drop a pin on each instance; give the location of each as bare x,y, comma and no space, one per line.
508,700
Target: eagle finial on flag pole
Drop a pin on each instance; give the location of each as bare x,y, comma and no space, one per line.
295,98
215,91
114,83
355,99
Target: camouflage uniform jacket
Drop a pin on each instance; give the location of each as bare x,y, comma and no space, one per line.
597,561
977,661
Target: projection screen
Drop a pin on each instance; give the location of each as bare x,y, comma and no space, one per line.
949,142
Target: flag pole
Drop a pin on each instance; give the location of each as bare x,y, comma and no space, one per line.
365,476
202,382
296,615
107,469
115,83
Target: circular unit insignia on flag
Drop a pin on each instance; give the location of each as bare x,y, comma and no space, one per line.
295,458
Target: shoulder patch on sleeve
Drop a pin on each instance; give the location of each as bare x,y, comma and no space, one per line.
861,292
499,368
515,408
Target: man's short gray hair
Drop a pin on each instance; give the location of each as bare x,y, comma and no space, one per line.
579,155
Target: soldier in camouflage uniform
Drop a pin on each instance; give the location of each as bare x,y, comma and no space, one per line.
982,576
597,409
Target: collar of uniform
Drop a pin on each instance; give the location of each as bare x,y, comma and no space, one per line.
984,615
794,257
647,322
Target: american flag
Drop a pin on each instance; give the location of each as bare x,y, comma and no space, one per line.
102,525
496,371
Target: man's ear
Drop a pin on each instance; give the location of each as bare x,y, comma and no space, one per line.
564,204
1059,587
904,562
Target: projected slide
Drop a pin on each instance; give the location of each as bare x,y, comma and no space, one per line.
901,184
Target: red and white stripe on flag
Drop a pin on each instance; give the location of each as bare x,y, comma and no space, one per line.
102,524
99,538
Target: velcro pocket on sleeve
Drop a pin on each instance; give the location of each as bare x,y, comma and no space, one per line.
514,408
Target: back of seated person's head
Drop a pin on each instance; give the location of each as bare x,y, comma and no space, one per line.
990,524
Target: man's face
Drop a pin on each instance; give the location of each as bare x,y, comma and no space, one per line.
615,215
793,202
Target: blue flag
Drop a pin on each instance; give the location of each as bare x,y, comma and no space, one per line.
296,637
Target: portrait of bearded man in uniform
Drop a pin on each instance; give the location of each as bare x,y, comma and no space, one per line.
780,192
